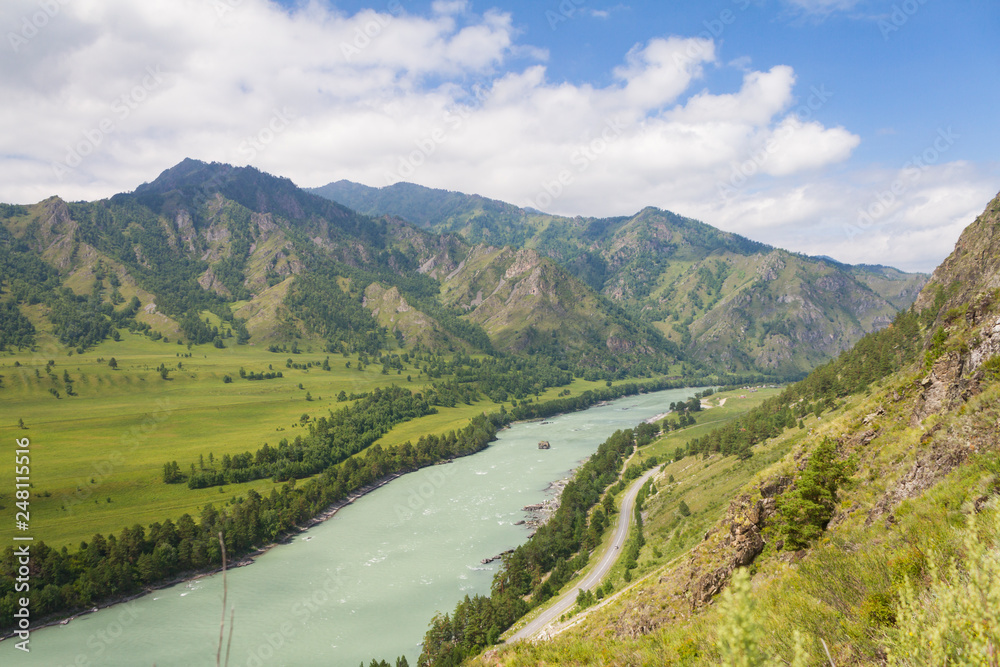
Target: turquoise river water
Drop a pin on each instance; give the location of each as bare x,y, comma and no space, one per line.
363,584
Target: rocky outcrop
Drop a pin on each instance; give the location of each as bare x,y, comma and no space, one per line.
734,542
739,546
956,375
209,281
942,388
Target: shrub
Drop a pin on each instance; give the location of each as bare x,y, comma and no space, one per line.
954,621
740,633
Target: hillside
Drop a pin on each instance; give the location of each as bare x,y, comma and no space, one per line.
277,267
853,519
528,303
718,296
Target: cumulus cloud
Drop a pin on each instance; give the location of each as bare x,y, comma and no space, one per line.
904,217
108,93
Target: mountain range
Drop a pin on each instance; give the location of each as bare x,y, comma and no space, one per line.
716,295
348,267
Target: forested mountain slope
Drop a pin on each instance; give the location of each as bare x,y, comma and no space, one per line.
719,296
208,252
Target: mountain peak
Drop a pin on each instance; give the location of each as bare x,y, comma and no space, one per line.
206,177
194,181
972,268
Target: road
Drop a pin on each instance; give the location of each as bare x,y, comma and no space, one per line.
566,602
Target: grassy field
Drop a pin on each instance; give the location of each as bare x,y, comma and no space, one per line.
97,455
459,416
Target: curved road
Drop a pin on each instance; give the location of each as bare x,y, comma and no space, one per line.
563,604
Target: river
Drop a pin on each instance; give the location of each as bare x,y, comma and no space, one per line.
363,584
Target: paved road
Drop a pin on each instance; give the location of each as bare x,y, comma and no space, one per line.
566,602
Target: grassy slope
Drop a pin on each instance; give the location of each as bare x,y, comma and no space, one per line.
836,591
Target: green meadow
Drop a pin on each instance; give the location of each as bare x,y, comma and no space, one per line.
100,439
97,455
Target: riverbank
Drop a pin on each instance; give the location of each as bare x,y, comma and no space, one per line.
365,584
474,445
242,561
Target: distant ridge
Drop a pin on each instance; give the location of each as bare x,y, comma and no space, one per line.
720,296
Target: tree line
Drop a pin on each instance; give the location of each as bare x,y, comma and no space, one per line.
537,569
109,567
332,439
875,356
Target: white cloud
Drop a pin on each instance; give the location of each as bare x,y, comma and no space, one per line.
858,218
449,100
657,73
449,6
796,146
762,95
823,7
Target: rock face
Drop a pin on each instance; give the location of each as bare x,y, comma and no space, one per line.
973,267
743,543
394,312
528,303
741,304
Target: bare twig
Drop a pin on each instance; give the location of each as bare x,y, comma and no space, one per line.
827,653
225,591
229,642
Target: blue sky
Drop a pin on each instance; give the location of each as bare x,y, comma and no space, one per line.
860,129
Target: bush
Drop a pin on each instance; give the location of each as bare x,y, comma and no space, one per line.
740,633
954,621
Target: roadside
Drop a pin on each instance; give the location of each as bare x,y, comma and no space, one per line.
596,572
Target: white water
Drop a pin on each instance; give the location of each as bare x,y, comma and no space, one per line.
363,584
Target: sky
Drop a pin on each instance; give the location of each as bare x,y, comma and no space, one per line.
864,130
